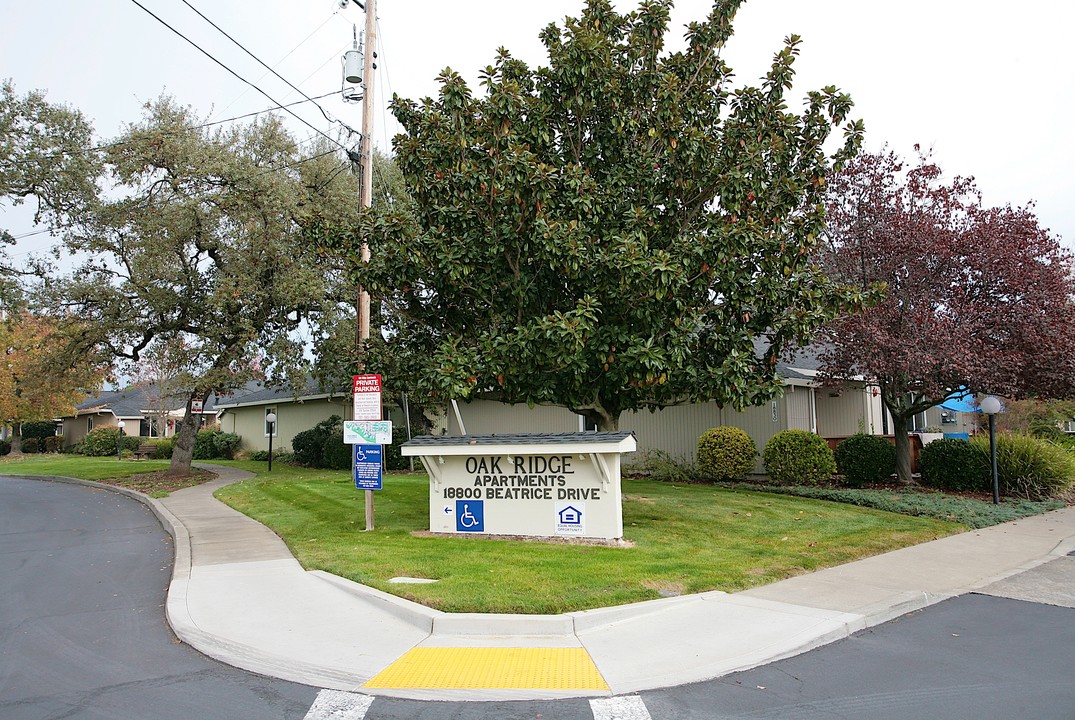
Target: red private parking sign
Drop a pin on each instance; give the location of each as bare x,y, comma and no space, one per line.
367,397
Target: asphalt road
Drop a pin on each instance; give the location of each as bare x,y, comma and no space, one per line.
83,574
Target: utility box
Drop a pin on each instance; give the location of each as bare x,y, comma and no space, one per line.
564,485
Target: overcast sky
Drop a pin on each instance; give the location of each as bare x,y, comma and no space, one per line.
988,85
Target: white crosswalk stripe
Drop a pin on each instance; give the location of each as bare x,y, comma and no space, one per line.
338,705
628,707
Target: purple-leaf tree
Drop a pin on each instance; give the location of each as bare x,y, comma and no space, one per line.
975,297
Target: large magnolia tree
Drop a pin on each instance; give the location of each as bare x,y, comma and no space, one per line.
621,229
978,298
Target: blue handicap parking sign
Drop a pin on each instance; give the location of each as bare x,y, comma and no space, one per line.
470,516
367,467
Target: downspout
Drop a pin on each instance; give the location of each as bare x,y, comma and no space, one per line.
813,410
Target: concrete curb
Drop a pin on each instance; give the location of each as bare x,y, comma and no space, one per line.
673,640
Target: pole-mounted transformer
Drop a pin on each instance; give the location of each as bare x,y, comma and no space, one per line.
352,71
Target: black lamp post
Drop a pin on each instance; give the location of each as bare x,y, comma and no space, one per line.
991,406
271,419
119,445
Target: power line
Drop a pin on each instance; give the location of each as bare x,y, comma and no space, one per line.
285,57
123,143
239,77
259,61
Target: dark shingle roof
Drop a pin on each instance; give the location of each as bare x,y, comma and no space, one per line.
573,438
257,393
131,402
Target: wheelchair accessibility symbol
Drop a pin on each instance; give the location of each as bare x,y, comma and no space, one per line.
470,516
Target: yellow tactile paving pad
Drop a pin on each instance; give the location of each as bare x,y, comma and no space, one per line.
460,668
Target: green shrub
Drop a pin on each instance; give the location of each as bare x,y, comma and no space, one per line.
1029,467
260,455
163,448
52,444
955,465
335,455
797,457
38,430
101,441
658,465
31,445
865,459
5,447
215,445
309,445
319,446
1066,441
725,453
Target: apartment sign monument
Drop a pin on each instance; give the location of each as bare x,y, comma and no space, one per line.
540,485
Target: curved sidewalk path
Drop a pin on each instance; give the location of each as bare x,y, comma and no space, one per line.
238,595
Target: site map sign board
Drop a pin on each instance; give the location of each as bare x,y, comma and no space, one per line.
367,432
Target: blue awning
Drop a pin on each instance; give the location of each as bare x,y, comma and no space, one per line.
961,400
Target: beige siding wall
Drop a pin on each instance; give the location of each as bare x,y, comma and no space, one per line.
799,402
673,430
842,415
291,419
483,417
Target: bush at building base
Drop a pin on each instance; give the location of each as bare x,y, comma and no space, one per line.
798,457
725,453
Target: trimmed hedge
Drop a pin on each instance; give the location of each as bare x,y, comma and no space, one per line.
864,459
798,457
955,465
725,453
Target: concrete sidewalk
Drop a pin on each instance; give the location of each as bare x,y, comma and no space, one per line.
238,595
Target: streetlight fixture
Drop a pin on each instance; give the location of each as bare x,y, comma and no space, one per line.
991,406
271,419
119,445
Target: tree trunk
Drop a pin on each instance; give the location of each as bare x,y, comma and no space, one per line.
607,422
183,450
903,450
16,438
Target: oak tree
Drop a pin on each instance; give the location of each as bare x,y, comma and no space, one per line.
617,230
977,298
198,248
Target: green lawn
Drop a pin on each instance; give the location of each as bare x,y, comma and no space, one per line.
687,539
77,466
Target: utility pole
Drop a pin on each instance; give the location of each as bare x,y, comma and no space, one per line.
365,187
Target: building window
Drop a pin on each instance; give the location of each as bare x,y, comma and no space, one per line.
276,426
